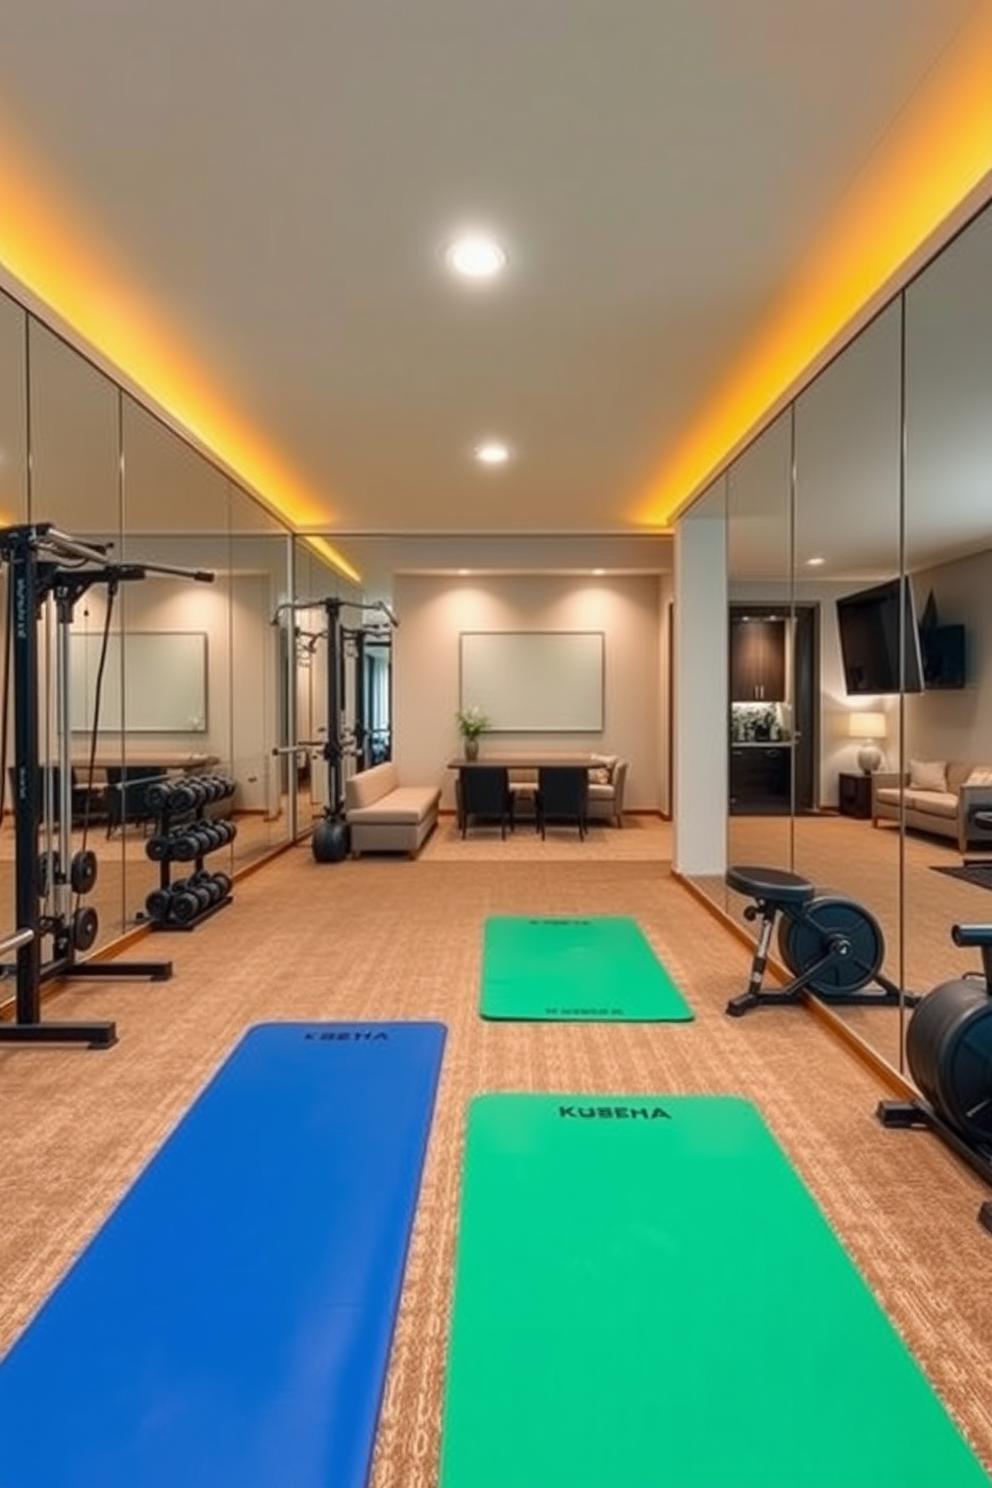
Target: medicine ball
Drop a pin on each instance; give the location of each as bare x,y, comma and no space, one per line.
949,1049
330,840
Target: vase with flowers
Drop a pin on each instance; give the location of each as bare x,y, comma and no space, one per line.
472,722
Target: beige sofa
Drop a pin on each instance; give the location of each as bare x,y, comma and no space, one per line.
946,812
385,816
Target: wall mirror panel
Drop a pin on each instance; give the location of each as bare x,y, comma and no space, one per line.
144,676
314,583
176,518
13,509
761,721
260,680
73,434
948,517
882,480
848,541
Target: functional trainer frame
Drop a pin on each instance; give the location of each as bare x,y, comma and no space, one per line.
43,564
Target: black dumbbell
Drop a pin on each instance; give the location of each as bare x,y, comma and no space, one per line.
224,883
208,882
158,903
159,847
180,796
159,794
185,906
185,847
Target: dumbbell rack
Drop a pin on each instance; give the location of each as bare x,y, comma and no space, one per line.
183,834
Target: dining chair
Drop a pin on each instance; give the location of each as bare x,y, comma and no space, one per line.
485,795
562,795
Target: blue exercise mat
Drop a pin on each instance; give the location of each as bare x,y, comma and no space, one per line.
230,1324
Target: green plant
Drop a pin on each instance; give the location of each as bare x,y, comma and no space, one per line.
471,722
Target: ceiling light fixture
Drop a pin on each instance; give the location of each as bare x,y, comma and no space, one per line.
492,452
476,256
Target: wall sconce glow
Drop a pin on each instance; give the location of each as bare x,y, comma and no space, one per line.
815,562
476,256
463,573
492,452
598,572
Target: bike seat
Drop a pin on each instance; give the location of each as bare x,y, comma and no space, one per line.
773,885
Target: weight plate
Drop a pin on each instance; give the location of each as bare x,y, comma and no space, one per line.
85,926
83,870
832,920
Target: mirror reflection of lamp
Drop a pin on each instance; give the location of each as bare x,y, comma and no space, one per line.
867,727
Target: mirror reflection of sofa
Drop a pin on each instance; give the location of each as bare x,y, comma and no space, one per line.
939,796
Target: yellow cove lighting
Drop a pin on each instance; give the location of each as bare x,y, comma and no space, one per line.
59,259
329,554
936,157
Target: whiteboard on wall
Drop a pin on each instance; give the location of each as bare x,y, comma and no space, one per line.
164,682
534,681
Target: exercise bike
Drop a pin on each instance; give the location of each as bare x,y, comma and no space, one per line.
949,1052
832,945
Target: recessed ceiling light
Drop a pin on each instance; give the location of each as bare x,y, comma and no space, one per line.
475,255
815,562
492,452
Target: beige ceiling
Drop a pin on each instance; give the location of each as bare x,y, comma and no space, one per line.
277,177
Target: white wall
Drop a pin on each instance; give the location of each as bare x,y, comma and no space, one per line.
433,611
702,711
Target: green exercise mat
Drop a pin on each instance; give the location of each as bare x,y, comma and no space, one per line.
595,968
646,1296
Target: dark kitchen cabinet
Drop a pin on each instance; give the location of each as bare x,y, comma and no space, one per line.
760,777
757,659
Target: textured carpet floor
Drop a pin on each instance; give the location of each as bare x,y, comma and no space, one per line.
387,938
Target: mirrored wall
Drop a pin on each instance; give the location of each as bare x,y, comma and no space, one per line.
176,661
859,581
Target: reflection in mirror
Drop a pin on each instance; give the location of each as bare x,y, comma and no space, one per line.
74,440
947,763
260,630
315,583
13,509
708,552
175,515
848,540
761,714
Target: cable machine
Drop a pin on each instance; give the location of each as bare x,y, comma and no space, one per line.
367,739
47,566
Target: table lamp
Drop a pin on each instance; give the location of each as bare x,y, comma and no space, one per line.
868,727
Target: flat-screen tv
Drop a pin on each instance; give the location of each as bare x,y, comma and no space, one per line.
943,655
871,623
